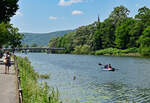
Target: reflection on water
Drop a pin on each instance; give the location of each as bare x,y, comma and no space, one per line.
92,85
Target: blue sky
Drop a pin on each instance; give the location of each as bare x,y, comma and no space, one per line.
43,16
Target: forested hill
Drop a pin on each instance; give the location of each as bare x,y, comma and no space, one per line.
42,38
117,33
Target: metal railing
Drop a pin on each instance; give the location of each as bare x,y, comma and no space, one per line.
20,92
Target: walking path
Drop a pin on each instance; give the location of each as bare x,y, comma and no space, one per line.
8,90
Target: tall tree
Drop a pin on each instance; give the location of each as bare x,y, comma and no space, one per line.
123,34
144,41
97,41
135,33
3,34
144,15
7,9
119,14
14,37
108,34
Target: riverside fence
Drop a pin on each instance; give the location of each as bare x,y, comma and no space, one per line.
20,92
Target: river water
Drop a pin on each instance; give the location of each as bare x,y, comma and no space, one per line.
130,82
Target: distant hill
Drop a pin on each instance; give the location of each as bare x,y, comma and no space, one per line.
42,38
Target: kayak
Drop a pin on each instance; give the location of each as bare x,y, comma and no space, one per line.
111,69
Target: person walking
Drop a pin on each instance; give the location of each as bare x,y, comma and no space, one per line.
6,60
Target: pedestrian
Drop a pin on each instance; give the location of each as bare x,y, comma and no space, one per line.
6,60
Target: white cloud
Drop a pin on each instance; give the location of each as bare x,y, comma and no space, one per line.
52,18
18,13
68,2
77,12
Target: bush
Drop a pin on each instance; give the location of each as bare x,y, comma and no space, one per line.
145,51
85,49
44,76
108,51
130,50
77,49
115,51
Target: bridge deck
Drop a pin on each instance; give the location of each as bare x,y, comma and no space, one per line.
8,90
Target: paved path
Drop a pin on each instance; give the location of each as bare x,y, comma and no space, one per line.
8,88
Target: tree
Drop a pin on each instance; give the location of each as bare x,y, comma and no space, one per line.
144,41
119,14
135,33
25,45
7,9
123,34
97,41
3,34
14,38
34,45
52,43
108,34
144,15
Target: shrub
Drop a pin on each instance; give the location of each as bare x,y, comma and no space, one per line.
85,49
108,51
44,76
130,50
145,51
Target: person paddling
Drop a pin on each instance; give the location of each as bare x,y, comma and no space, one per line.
108,66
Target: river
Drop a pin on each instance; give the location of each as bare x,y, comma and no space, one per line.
130,82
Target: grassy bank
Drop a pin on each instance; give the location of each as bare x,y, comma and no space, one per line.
118,52
33,91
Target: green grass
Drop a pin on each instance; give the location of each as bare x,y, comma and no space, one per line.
44,76
118,52
33,91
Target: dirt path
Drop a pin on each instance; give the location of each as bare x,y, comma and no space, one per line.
7,86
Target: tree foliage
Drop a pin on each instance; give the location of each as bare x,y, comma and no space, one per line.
9,35
144,15
145,42
117,31
8,8
3,34
14,37
119,14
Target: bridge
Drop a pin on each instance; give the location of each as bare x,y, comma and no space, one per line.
34,49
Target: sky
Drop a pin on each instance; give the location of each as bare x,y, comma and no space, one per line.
44,16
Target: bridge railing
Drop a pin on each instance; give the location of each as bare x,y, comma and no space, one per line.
20,92
34,48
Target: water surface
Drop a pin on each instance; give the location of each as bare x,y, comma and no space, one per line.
92,84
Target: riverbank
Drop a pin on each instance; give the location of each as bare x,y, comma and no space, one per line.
130,52
126,55
33,91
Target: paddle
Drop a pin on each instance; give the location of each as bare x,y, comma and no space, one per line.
99,64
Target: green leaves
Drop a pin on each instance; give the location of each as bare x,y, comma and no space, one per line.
14,37
8,34
144,15
123,34
33,91
7,9
119,14
144,41
3,34
117,31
